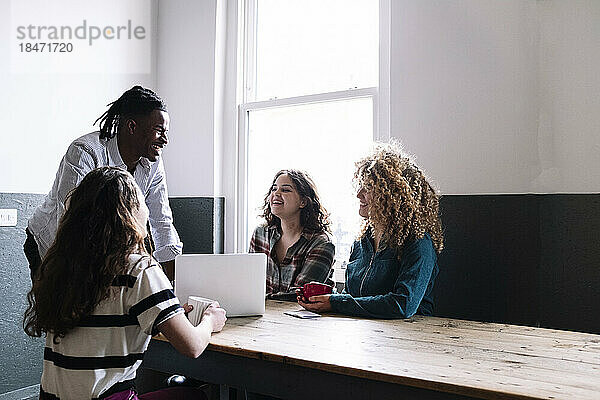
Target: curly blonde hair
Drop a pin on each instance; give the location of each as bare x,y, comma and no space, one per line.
403,203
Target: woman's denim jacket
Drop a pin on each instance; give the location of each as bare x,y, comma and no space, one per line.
383,286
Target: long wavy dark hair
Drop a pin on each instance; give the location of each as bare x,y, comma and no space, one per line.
95,237
313,216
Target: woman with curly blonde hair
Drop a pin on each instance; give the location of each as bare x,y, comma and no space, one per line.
393,264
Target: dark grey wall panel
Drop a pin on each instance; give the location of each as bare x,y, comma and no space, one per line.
488,241
521,259
21,356
569,274
200,223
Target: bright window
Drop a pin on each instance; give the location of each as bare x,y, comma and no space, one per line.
311,75
314,46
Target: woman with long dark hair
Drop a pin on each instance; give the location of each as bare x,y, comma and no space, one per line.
295,235
98,296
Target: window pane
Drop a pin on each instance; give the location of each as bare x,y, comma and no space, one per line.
323,139
315,46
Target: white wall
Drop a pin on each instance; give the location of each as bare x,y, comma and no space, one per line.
570,95
44,112
493,96
498,96
464,91
186,80
41,113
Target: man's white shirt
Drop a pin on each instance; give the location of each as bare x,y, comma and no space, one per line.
87,153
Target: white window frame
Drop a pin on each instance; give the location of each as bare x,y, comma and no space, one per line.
246,81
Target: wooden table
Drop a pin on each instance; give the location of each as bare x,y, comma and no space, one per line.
418,358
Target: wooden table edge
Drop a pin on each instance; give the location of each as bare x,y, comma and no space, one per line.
371,375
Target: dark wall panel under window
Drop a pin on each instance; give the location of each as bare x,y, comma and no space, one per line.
200,223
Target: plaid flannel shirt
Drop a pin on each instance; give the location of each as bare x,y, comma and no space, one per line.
309,259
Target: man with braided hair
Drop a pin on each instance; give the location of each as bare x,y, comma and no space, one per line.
132,134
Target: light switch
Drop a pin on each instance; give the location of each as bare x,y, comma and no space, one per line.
8,217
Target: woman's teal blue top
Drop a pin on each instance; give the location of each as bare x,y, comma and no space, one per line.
382,286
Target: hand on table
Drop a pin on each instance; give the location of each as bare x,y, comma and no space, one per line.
318,304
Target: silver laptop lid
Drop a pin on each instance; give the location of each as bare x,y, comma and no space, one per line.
236,281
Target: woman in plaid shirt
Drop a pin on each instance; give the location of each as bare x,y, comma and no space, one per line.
295,236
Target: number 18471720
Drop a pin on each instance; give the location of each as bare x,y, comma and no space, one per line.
46,47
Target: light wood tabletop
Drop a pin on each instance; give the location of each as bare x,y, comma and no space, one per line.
477,359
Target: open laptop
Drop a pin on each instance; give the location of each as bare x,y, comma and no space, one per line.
236,281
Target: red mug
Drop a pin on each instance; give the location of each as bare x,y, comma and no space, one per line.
315,289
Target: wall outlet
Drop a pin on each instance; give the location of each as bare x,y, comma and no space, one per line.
8,217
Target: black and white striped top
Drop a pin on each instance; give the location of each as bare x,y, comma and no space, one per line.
107,347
